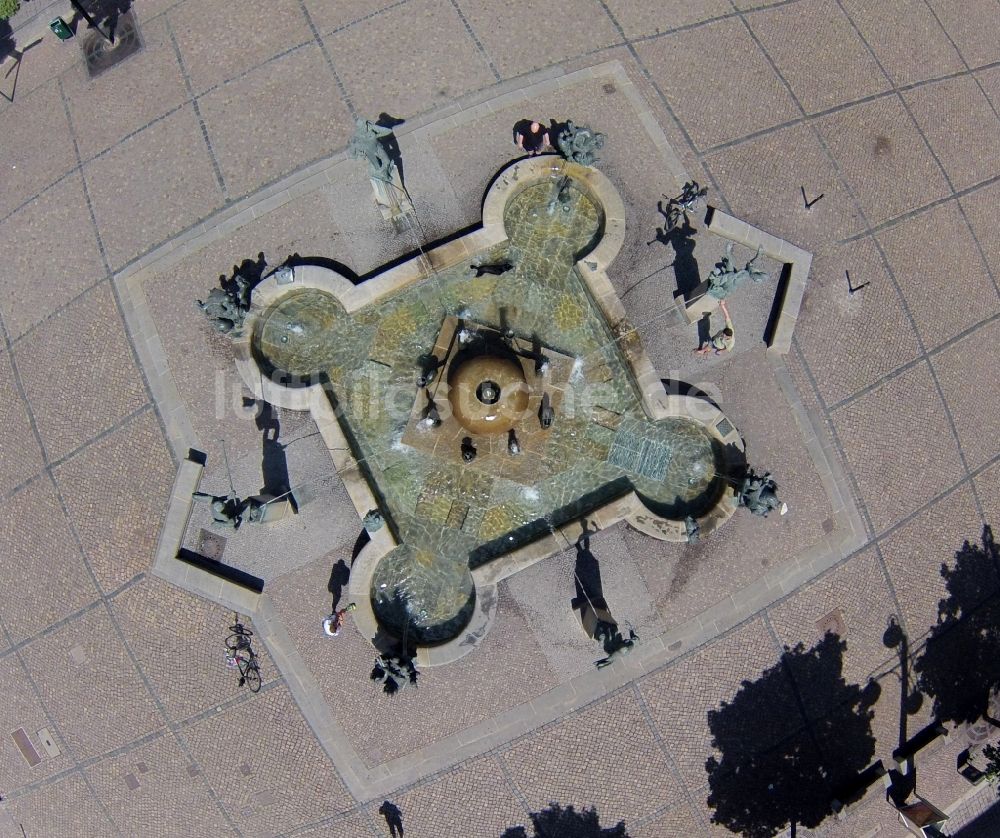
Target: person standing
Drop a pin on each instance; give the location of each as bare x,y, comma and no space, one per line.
532,137
333,623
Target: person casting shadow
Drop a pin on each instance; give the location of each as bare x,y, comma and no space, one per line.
393,818
340,575
587,574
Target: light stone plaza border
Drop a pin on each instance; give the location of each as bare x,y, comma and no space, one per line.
847,535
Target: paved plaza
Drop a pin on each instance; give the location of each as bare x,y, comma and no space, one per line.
861,137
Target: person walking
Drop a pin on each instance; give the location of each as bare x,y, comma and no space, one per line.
721,341
333,623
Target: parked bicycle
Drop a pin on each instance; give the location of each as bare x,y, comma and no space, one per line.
240,654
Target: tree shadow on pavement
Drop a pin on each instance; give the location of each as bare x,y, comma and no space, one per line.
559,822
8,46
960,666
791,742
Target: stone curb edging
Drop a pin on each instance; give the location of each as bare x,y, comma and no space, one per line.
652,654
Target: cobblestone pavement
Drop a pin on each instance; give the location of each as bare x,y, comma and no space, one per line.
120,717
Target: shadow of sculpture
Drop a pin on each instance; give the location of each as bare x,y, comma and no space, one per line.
790,742
960,665
8,46
559,822
685,265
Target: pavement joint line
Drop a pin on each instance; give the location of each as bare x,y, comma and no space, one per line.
104,259
890,271
808,116
937,350
628,43
475,40
119,424
337,80
668,757
216,169
70,752
961,58
873,231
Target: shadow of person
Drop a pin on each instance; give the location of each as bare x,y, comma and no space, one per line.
266,417
686,275
340,575
704,330
393,818
587,574
252,270
274,466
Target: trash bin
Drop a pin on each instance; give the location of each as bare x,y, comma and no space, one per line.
61,29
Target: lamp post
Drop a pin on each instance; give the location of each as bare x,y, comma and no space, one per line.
86,16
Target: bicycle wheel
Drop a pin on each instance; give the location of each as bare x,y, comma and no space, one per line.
251,675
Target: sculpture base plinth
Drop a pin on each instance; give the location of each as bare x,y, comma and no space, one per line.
391,199
700,304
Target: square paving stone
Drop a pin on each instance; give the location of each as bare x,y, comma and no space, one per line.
116,491
78,372
990,80
982,209
327,16
719,95
473,799
819,53
90,686
961,126
519,39
852,342
23,460
152,186
37,121
680,694
644,19
291,781
215,46
128,96
64,809
50,254
576,760
970,25
165,794
915,552
906,39
381,76
44,577
940,272
275,118
967,372
178,638
21,710
899,446
763,181
988,489
883,158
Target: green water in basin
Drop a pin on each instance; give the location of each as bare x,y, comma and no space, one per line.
447,515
